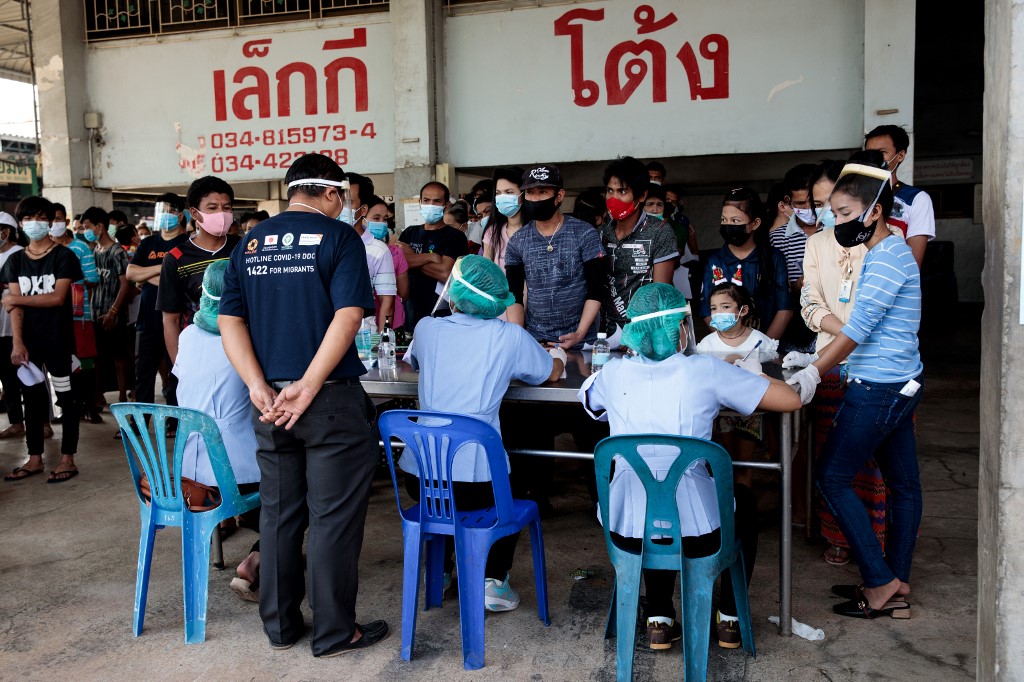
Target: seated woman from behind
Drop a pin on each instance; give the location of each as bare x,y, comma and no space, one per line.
660,390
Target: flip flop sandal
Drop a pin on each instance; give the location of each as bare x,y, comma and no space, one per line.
61,476
837,556
13,476
245,590
858,608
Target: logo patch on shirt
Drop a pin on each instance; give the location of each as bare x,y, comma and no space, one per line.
270,240
288,239
251,246
310,239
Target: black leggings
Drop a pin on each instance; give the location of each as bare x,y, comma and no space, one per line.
661,585
473,496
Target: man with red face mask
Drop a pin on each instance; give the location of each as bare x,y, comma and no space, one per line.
181,276
642,248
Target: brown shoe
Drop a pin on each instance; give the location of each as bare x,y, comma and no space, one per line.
661,635
728,633
13,431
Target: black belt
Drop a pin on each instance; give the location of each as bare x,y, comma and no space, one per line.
348,381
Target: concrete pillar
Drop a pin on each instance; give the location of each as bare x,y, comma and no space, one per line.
417,31
889,38
1001,479
58,33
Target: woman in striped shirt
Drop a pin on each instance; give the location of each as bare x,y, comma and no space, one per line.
877,412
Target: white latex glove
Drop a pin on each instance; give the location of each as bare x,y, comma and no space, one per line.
558,354
750,364
798,359
805,382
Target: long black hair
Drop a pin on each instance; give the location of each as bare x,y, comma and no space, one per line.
498,221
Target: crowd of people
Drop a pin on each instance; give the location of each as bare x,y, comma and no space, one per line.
824,275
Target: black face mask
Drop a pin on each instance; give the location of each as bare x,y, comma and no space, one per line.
539,210
734,235
853,233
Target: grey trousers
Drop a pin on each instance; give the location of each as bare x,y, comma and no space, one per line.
316,475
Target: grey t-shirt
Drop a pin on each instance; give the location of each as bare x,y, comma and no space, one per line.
555,284
633,258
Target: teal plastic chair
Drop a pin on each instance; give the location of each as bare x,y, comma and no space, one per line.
662,519
166,506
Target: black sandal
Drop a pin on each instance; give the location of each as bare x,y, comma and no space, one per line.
858,608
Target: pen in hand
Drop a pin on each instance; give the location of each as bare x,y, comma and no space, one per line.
751,350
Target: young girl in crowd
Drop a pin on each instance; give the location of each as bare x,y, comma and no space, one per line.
733,318
748,260
507,216
660,390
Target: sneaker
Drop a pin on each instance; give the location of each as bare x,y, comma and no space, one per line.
728,632
661,635
499,595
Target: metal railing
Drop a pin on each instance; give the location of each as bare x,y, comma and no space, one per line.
113,19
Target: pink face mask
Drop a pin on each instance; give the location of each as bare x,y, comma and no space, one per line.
216,224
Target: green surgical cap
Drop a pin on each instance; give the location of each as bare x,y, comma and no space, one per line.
655,313
209,305
479,288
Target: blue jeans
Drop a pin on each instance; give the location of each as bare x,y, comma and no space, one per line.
875,419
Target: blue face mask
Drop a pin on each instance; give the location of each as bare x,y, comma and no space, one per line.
723,322
165,221
483,223
659,216
112,231
378,230
507,204
35,229
347,215
431,214
826,217
90,235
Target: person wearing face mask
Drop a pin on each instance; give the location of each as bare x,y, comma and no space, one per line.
114,339
831,273
641,248
657,206
181,275
9,372
144,270
696,386
912,209
303,272
377,225
483,206
431,250
655,173
39,282
378,257
559,259
876,416
83,381
507,216
747,259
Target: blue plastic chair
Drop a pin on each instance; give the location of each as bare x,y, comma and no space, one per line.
167,508
434,442
662,519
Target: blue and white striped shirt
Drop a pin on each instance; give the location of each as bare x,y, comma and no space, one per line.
886,315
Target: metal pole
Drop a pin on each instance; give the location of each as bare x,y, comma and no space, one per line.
786,532
26,14
809,478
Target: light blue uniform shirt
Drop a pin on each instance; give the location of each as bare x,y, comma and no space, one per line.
886,315
465,366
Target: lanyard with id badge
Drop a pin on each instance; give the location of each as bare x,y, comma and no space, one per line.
846,286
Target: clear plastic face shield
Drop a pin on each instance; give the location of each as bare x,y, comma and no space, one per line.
165,217
342,186
690,347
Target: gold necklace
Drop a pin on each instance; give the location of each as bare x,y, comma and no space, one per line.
552,238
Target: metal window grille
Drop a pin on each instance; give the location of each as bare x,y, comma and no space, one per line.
111,19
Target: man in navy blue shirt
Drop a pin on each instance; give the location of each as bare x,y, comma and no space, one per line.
295,292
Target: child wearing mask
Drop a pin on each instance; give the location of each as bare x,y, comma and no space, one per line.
733,318
748,260
39,301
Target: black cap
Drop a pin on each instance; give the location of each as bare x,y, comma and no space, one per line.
543,175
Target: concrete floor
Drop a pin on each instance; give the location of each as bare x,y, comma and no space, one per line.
68,556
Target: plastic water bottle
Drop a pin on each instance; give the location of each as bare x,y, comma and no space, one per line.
364,342
386,347
602,351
